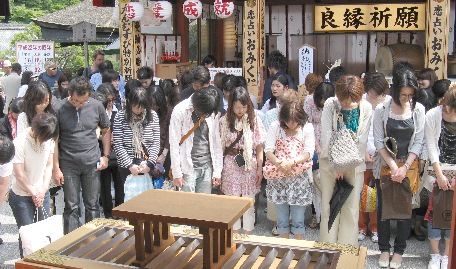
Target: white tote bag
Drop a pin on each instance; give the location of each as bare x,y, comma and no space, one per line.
41,233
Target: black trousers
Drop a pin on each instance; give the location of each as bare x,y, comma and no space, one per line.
105,190
384,233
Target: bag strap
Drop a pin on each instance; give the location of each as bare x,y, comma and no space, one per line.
232,144
191,130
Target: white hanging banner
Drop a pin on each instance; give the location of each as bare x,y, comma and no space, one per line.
306,62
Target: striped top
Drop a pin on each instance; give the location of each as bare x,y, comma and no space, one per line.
123,137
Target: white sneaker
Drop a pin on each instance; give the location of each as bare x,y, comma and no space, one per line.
361,235
443,262
374,237
434,263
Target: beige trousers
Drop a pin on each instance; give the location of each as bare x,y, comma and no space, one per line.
344,230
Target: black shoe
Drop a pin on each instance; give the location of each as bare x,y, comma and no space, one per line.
419,235
1,241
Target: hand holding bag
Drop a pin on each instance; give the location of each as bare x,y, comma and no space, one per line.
343,149
135,185
442,203
396,199
286,149
41,233
368,200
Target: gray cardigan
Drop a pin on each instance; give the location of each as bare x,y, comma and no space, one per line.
381,117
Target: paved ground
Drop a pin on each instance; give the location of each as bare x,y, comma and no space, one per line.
416,255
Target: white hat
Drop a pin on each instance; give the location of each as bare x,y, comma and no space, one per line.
6,63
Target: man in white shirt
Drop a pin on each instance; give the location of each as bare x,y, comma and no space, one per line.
11,83
196,163
6,166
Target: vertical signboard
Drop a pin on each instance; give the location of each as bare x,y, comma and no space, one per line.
33,55
251,46
306,59
438,14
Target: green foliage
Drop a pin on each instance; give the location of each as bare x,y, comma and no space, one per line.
25,10
32,32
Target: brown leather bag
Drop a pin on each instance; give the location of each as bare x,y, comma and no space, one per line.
442,208
396,198
412,174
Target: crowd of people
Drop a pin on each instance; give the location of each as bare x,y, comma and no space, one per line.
96,128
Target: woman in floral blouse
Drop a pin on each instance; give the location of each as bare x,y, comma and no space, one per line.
242,134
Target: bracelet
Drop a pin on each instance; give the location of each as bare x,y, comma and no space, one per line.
407,166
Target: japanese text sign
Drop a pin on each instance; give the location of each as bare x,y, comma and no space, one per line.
437,36
33,55
251,44
306,62
386,17
229,71
84,31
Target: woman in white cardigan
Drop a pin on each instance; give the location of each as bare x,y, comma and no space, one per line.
357,117
440,130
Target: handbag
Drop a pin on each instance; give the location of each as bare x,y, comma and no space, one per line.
238,158
396,199
343,149
286,149
41,233
368,199
442,207
183,138
135,185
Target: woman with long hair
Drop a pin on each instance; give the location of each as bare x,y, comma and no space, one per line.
26,78
37,100
356,116
62,87
242,134
136,130
32,165
402,119
159,104
440,134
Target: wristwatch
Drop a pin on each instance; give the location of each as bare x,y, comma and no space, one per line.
106,155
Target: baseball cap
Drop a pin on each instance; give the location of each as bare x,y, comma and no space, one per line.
6,63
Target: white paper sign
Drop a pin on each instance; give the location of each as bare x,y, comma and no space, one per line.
228,71
306,59
33,55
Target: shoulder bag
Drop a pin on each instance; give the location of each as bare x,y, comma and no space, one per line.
343,149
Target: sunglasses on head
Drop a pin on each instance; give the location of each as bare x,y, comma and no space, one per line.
53,68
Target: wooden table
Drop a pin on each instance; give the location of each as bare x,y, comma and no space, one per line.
152,212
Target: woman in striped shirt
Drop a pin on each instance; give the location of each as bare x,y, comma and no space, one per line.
136,129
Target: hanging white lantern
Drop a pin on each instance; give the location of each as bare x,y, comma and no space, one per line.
115,13
134,10
193,9
163,10
223,9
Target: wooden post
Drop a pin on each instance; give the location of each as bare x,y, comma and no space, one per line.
251,49
130,43
437,30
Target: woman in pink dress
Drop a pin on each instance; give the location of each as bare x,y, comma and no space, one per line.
242,134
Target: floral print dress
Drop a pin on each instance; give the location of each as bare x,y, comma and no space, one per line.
235,180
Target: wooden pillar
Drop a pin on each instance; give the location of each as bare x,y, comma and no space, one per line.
437,30
251,49
130,44
182,30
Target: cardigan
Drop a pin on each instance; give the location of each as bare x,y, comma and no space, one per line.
329,116
123,136
381,116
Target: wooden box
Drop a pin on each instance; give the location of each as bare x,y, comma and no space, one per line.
172,71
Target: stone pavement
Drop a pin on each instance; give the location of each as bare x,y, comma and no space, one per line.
416,256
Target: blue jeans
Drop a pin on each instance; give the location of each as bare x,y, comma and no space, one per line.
87,180
24,211
297,218
200,181
436,234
